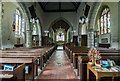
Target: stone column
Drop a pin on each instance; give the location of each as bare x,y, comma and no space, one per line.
39,30
91,23
29,35
90,38
119,25
0,25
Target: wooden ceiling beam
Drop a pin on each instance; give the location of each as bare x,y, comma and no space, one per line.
65,10
77,6
60,10
41,6
74,4
45,5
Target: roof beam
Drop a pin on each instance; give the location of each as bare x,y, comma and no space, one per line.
66,10
74,4
59,5
45,5
41,6
77,6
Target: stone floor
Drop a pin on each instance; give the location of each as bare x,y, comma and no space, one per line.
60,48
58,68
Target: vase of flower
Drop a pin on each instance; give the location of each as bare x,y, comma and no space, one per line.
94,55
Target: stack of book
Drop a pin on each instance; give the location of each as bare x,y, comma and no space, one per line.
116,68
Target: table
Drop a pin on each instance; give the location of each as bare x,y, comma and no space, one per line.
101,73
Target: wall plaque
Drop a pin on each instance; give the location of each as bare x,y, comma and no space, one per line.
104,40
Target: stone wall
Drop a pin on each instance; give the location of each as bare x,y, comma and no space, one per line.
9,39
0,25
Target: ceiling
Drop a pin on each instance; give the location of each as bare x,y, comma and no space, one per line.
59,6
60,24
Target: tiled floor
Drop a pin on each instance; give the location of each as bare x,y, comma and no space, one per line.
58,68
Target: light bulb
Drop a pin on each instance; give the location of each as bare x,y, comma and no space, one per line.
86,20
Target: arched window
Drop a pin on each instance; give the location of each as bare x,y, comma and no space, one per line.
105,21
18,23
60,36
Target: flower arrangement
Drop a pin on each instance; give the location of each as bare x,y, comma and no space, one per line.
94,55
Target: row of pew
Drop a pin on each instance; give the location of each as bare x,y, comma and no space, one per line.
26,62
79,57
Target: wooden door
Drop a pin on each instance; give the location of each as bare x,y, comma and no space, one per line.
83,40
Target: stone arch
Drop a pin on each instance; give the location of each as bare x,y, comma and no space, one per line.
98,25
23,7
91,23
39,30
61,18
38,21
28,38
99,12
58,19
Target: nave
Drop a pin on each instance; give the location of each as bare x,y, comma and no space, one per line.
71,40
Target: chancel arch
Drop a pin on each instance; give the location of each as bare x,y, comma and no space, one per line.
63,27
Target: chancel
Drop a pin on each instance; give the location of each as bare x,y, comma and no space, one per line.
71,40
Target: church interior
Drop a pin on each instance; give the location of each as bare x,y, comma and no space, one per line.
59,41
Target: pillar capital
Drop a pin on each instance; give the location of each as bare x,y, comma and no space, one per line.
90,30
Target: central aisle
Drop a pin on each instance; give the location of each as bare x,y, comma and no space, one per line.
59,67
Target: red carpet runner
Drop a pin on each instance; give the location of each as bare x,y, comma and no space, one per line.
58,68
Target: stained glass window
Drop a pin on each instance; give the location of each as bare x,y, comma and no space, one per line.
108,21
23,25
60,36
102,25
105,21
18,22
105,24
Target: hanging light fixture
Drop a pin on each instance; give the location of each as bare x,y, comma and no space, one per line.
83,20
46,32
73,31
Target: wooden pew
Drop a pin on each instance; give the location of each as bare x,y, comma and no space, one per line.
18,74
26,49
39,56
75,52
32,63
6,75
79,51
43,54
82,67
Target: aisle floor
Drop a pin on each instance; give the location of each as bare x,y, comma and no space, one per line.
59,67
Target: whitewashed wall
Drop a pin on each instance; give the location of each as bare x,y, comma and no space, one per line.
8,36
113,36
